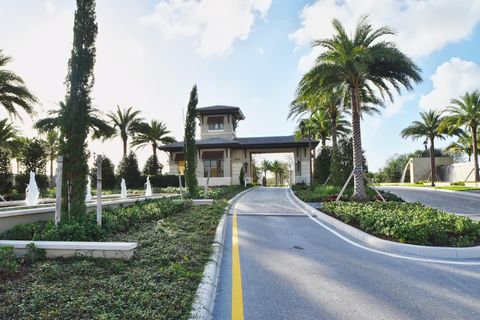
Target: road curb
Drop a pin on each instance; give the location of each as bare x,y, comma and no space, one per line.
202,308
372,242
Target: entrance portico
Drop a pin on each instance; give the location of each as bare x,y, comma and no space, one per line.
222,153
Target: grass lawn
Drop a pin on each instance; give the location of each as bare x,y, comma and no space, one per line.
457,188
326,193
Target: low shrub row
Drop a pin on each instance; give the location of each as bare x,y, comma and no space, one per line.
411,223
10,264
329,193
113,221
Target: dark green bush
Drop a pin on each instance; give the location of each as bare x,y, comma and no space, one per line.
164,181
458,183
6,176
8,261
86,229
21,182
408,223
128,169
33,254
108,174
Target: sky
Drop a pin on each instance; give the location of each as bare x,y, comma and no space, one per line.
246,53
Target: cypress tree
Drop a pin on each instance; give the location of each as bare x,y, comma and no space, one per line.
189,147
74,127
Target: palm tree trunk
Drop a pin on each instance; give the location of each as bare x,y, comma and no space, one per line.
334,168
432,160
124,148
310,158
154,148
324,142
51,169
475,153
359,193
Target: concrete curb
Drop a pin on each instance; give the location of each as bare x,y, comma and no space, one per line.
367,240
202,307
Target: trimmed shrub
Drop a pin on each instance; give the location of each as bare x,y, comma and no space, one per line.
21,182
8,261
108,174
35,156
164,181
408,223
152,167
128,169
6,176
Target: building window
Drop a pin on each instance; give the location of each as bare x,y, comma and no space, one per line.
215,167
215,124
181,167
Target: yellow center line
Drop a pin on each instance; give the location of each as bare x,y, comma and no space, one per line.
237,297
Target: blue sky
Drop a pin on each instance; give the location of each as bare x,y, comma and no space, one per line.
249,53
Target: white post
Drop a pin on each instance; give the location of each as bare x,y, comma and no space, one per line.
58,191
206,185
180,185
99,190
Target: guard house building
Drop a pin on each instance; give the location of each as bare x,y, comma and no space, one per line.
224,154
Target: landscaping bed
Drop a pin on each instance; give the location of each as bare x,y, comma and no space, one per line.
329,193
411,223
159,283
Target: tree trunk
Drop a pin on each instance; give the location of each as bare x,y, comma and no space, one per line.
432,160
334,166
154,147
359,193
310,158
124,148
51,169
475,153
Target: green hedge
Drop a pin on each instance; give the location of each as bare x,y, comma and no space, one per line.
411,223
113,221
327,193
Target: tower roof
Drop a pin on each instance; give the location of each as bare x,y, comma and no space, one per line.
214,110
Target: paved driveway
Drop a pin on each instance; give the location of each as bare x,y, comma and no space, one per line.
460,202
292,268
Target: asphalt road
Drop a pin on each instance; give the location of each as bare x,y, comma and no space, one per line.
460,202
292,268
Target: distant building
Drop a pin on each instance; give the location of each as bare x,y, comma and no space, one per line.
222,153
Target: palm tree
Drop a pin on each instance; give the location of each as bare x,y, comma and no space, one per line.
52,144
265,166
363,62
462,145
276,168
154,134
430,129
8,135
127,123
466,112
13,92
97,126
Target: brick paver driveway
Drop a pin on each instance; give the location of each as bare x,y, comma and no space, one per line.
292,268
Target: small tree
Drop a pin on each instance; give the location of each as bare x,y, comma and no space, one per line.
190,149
35,157
241,177
322,165
128,169
152,166
6,176
108,174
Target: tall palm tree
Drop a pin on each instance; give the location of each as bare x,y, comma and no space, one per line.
265,166
276,168
8,135
13,92
98,127
127,123
363,62
154,134
466,112
52,144
462,145
429,128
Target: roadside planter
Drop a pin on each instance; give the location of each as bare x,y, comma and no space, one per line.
68,249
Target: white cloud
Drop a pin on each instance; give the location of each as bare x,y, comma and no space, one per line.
49,7
423,26
451,79
214,24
